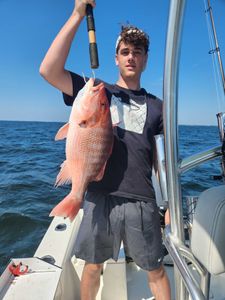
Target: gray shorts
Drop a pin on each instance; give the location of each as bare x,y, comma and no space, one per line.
108,220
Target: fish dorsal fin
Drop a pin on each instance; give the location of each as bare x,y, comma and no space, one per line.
62,132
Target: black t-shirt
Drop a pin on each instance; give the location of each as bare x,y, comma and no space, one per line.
138,117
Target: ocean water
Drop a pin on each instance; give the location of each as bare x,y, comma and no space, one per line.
29,162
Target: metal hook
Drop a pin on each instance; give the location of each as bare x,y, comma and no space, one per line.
84,77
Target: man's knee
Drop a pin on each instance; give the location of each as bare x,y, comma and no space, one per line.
93,268
156,274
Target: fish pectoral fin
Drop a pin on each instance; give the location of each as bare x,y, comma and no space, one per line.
64,176
62,132
100,174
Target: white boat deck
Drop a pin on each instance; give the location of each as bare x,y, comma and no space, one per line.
123,281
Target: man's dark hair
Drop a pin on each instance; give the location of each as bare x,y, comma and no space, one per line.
134,36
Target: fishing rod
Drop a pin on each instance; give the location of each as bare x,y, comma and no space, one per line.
217,48
93,50
221,115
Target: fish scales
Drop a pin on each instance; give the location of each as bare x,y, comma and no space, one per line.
94,152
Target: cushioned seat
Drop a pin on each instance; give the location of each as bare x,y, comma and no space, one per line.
208,232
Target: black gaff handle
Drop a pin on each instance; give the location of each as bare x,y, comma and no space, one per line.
92,39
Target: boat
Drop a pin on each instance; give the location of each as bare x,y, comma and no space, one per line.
195,262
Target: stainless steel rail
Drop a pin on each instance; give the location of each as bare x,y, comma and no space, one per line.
177,249
178,252
170,88
174,238
194,160
184,165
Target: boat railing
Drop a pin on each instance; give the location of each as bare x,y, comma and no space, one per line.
184,260
184,164
185,283
199,158
179,252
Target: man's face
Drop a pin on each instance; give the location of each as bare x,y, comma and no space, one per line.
131,60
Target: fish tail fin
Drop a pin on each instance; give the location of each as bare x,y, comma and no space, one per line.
68,207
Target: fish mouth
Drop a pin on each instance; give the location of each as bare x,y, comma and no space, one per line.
99,101
101,86
98,87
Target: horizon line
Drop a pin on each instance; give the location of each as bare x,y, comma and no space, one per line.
49,121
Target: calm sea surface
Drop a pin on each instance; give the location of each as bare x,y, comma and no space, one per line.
29,162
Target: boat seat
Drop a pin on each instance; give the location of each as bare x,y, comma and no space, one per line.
208,237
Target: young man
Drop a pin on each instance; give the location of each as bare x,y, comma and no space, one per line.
122,205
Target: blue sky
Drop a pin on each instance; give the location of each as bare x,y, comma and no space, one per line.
27,29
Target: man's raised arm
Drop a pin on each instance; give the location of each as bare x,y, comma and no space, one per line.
53,65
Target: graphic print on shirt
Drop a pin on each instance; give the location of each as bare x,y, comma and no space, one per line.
130,117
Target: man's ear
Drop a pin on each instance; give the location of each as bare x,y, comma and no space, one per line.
145,62
116,60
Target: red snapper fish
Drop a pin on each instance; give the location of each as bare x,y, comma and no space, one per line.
89,144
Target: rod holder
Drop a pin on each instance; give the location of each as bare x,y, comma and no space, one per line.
221,125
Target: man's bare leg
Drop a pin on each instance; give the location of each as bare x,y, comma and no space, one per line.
159,284
90,281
